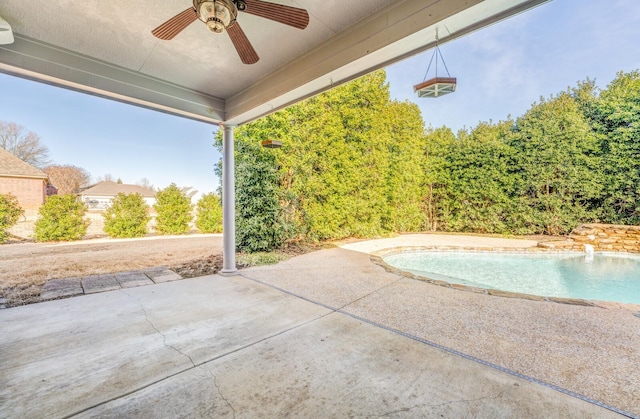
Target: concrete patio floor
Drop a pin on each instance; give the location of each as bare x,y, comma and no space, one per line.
219,346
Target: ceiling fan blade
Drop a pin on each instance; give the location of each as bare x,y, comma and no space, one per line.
292,16
169,29
247,54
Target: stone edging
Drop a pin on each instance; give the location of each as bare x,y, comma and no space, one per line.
377,258
55,289
69,287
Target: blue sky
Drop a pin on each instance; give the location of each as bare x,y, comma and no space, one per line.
501,70
505,68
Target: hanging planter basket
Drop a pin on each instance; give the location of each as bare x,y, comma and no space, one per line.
436,86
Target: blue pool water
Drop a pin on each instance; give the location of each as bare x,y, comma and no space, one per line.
604,277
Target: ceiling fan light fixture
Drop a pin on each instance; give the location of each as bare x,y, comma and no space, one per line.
6,34
217,14
220,16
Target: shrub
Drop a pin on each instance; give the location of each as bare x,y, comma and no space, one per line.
174,211
61,219
209,214
260,221
10,212
127,216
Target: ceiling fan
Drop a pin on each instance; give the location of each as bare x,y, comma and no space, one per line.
219,15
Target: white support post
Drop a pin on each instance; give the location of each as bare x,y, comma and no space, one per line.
228,203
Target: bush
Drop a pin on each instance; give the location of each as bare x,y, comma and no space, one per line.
174,211
209,214
127,216
10,212
260,221
61,219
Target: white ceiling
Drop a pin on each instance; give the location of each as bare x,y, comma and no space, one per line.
106,48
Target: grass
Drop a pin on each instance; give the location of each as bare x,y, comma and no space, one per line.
260,258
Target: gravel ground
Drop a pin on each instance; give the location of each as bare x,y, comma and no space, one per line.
593,351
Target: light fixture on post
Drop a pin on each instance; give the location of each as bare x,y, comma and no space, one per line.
217,14
6,34
271,143
436,86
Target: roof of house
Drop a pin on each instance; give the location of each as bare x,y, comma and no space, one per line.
12,166
112,189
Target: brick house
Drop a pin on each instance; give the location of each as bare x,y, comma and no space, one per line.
25,182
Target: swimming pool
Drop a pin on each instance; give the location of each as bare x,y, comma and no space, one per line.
603,276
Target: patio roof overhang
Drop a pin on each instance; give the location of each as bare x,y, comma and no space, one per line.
108,50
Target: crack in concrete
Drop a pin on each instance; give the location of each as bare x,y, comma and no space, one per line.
409,409
215,383
164,338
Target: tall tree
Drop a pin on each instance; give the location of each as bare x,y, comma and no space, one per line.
68,179
479,183
145,183
261,225
405,176
23,144
557,165
349,165
435,164
342,180
616,118
105,178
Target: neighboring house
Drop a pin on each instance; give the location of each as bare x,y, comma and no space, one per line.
100,195
24,181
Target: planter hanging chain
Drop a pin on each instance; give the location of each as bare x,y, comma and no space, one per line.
435,54
436,86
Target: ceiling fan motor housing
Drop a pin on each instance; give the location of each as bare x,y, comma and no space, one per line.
220,16
217,14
